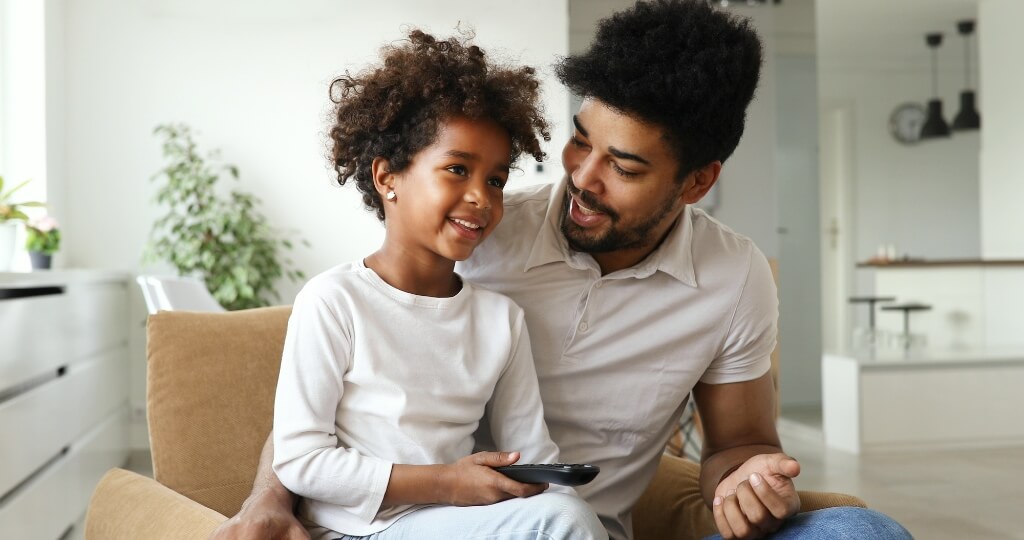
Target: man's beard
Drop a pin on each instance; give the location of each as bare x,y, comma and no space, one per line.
614,238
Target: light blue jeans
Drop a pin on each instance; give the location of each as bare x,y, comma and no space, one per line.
548,516
840,523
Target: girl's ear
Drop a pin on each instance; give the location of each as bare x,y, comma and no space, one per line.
383,179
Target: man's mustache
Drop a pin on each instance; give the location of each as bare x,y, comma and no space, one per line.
589,200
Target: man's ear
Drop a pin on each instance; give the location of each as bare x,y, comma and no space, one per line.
383,179
700,181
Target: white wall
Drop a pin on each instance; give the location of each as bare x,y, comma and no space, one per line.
921,198
1001,88
748,189
252,78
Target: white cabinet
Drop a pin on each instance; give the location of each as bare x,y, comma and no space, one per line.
63,395
926,399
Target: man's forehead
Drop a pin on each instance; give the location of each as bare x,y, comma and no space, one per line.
625,131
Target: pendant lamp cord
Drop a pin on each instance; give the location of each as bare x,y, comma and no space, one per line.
967,61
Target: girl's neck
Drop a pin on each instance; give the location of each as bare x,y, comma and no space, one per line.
419,274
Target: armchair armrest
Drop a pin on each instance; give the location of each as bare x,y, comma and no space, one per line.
129,506
816,500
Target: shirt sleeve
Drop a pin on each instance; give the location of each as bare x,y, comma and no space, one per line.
307,460
746,351
515,412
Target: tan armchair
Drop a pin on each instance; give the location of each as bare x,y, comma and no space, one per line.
210,401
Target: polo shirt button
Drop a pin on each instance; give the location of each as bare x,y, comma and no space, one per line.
600,284
583,327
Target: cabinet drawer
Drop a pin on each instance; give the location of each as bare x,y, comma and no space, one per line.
32,332
53,500
36,425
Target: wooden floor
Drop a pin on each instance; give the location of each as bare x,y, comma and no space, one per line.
961,494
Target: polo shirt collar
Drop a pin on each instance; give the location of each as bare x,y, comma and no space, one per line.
673,256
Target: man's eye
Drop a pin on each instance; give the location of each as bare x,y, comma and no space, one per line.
622,172
577,143
497,182
457,169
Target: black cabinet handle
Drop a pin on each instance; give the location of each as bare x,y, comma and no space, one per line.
29,292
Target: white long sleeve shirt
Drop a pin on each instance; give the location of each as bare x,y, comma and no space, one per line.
372,376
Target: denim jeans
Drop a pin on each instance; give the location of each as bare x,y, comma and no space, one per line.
544,516
840,523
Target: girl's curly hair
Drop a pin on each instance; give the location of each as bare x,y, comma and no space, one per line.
394,109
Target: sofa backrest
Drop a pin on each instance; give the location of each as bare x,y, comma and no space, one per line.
210,399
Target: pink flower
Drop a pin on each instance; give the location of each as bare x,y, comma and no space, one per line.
44,224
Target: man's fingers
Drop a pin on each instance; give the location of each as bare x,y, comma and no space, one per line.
783,465
772,502
721,522
738,523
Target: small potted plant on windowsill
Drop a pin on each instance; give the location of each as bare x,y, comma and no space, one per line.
10,214
42,240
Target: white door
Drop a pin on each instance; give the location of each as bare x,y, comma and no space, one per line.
837,182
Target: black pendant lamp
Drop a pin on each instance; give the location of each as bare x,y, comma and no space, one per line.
968,117
934,125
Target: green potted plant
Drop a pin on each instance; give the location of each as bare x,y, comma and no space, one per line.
42,240
223,240
10,214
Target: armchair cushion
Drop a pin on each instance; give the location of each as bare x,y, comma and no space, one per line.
210,399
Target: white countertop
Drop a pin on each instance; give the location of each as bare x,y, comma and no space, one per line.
898,359
59,278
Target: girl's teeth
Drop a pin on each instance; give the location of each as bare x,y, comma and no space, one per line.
466,224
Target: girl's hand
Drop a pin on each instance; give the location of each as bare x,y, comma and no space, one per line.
472,480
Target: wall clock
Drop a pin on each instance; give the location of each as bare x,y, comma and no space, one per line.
905,122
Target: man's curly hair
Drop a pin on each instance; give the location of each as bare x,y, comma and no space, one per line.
395,109
679,64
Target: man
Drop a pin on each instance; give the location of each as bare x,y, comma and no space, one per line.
634,299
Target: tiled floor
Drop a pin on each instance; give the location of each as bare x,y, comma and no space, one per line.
955,494
969,494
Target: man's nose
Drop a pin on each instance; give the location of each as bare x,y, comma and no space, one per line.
586,177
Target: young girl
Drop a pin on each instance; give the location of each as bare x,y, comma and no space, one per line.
391,362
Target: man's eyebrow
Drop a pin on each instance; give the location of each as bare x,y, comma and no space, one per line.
469,156
626,155
579,127
612,150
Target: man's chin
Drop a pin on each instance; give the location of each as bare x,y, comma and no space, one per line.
583,241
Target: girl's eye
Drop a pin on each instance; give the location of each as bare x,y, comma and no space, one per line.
497,182
576,142
457,169
622,172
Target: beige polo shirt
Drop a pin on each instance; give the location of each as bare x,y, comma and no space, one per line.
617,355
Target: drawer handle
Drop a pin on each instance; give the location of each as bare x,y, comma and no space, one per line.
29,292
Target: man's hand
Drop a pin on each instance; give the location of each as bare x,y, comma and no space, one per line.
753,500
262,518
473,481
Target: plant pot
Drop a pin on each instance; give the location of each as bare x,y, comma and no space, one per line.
8,232
40,260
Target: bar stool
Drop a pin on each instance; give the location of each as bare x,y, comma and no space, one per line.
907,309
872,335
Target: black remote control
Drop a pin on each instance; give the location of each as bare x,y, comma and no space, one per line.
566,474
